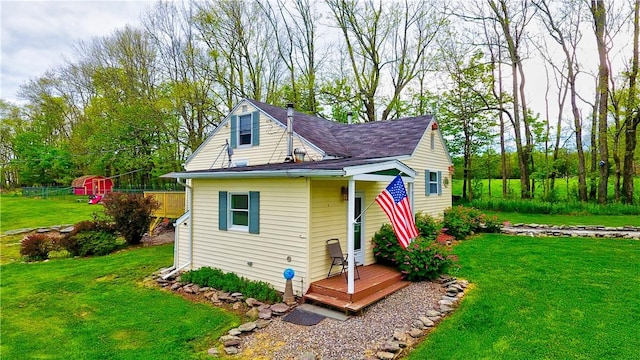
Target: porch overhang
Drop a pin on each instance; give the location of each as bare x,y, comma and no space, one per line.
356,169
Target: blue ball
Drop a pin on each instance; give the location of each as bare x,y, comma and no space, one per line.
289,273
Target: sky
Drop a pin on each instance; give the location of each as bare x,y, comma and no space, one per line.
37,35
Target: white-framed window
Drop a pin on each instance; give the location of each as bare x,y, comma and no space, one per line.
244,130
239,211
432,182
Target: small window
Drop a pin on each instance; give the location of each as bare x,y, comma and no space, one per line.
433,141
244,130
239,210
433,182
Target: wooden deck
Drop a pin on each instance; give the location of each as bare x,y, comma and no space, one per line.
376,282
171,206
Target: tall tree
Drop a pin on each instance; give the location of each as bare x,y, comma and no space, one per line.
563,24
632,116
599,13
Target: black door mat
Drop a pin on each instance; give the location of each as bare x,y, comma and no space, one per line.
301,317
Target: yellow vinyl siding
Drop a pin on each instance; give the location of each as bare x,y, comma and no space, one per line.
329,220
425,158
272,148
182,244
283,231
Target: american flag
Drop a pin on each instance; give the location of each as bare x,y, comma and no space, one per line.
394,202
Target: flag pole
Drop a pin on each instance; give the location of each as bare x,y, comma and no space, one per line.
363,211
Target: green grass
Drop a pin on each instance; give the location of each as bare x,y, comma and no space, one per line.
18,212
543,298
99,308
604,220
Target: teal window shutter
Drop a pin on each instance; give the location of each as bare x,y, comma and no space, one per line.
439,182
427,184
234,131
222,210
254,212
255,129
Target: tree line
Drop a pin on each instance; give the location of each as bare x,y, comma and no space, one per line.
142,99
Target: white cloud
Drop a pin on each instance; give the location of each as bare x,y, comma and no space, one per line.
37,35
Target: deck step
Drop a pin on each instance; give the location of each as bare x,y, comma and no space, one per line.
327,300
378,295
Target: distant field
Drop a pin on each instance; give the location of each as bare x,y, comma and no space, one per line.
562,187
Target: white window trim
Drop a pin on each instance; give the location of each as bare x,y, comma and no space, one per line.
433,182
250,144
230,210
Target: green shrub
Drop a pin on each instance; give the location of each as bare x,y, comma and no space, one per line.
231,282
90,238
491,224
461,222
131,214
385,245
424,259
36,247
428,227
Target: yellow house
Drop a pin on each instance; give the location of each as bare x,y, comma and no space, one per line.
270,186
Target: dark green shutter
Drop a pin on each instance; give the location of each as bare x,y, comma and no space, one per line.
234,131
439,182
254,212
222,210
427,185
255,131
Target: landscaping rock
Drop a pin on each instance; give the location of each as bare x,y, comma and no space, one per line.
426,321
224,338
390,346
231,342
213,352
279,308
253,313
264,314
415,333
383,355
432,313
231,350
262,323
237,305
246,327
234,332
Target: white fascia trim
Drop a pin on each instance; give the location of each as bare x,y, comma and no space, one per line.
380,178
379,166
257,174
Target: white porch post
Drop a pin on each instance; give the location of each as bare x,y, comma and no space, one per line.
350,240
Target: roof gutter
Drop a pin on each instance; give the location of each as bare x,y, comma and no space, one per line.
255,174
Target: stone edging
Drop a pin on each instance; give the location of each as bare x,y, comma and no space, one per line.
387,349
620,232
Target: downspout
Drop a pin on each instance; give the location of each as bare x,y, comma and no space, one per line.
175,247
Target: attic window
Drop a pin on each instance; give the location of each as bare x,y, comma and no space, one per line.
244,133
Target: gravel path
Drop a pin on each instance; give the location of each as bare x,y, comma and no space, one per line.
355,338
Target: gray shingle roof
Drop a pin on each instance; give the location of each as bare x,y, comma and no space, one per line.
377,139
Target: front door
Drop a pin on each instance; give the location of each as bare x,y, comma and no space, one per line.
358,230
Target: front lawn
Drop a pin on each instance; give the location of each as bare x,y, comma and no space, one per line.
543,298
99,308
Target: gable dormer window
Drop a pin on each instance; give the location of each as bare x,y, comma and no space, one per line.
245,130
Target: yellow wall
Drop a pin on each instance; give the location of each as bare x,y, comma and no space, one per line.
272,147
329,220
284,231
434,160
